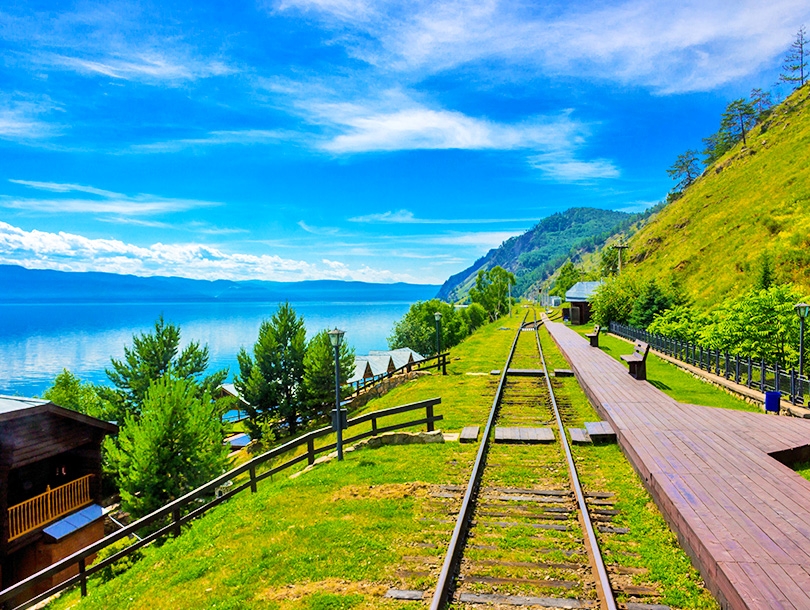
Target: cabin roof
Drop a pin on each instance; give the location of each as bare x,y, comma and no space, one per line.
14,407
582,292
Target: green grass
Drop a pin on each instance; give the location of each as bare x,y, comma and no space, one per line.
803,468
672,380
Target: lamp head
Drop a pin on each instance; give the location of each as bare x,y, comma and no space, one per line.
438,315
336,337
802,309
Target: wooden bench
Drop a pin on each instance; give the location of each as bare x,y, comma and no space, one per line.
594,336
638,360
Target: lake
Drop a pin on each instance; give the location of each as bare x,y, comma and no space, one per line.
37,341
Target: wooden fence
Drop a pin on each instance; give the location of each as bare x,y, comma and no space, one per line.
174,515
745,370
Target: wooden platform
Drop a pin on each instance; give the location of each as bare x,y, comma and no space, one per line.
531,436
742,515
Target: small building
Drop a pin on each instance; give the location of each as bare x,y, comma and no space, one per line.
402,356
579,296
237,413
50,487
372,367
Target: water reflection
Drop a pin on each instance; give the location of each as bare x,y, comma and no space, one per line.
38,341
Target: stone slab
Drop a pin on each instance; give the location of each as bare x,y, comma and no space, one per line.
470,434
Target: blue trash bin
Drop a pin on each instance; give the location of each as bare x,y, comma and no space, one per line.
772,401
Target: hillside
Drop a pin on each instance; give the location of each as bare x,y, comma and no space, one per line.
21,285
533,256
752,203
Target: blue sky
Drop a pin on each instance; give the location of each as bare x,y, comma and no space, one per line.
345,139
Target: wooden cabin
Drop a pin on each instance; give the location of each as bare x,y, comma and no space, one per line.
579,296
50,486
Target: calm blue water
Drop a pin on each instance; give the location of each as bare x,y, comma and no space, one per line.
38,341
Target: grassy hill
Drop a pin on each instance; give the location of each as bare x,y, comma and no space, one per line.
753,202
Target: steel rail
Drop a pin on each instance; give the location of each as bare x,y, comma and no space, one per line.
444,587
602,581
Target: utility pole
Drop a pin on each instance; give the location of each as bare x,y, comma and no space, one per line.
620,247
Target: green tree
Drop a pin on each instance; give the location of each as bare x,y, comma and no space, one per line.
319,373
760,323
70,392
761,102
650,302
794,68
567,277
491,291
417,328
685,170
681,322
716,145
272,380
613,301
152,356
173,447
609,263
764,278
738,119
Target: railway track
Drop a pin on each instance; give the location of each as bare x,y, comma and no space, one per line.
525,533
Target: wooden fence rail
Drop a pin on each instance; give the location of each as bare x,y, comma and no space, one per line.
170,518
752,372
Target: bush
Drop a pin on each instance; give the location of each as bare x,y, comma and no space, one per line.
122,565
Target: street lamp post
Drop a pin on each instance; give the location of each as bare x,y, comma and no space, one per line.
338,415
802,309
438,316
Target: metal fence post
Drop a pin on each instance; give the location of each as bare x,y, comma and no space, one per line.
762,376
750,371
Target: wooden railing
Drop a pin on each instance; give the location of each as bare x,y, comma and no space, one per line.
170,518
54,503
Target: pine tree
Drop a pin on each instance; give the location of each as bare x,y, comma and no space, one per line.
172,448
272,380
685,170
737,120
319,373
794,68
152,356
761,102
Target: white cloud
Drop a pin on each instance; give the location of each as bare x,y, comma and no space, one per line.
397,122
70,252
118,40
691,45
572,170
479,239
215,138
21,120
407,217
108,202
149,65
317,230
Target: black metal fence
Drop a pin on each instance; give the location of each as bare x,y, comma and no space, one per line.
170,518
754,373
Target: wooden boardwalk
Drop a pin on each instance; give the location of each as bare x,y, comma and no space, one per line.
741,514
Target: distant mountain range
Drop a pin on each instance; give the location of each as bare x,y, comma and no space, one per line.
21,285
536,254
